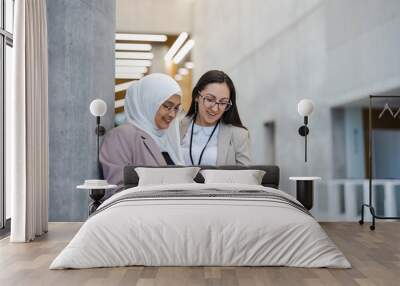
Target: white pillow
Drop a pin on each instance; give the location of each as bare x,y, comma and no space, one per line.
249,177
163,176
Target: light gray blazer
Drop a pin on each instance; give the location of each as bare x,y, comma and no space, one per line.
127,145
233,147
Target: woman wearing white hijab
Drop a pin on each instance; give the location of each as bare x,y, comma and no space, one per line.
151,135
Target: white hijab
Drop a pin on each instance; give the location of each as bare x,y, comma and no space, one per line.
142,101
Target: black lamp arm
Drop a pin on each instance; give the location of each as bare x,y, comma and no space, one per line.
100,131
303,131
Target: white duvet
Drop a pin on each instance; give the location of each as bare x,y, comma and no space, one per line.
200,231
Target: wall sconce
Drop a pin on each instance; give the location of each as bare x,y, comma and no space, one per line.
305,107
98,108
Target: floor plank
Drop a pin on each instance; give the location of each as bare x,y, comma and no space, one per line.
374,255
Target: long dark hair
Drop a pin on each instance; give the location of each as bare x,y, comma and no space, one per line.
231,116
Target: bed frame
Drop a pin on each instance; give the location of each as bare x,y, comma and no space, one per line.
270,179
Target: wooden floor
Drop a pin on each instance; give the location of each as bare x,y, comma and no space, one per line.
374,255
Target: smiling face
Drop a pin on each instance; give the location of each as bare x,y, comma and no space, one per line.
212,102
167,111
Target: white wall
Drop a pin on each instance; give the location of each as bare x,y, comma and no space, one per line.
278,52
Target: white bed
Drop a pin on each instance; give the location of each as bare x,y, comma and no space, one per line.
185,230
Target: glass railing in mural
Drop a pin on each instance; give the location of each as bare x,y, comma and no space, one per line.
345,197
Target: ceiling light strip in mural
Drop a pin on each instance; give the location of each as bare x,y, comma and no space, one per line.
140,37
137,55
175,46
133,47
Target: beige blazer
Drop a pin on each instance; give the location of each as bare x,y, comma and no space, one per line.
233,147
127,145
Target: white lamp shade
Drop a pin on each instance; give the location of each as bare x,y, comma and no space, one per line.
305,107
98,107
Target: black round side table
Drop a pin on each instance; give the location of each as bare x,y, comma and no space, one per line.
305,190
96,193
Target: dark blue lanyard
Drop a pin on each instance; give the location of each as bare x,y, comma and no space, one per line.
191,142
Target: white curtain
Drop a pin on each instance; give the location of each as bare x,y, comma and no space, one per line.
27,143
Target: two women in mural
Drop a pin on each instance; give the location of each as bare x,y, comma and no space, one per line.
211,133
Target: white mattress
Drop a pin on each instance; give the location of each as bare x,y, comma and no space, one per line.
200,231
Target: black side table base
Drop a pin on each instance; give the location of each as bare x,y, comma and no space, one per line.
96,195
305,193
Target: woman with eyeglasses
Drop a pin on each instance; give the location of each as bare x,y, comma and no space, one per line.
151,135
212,132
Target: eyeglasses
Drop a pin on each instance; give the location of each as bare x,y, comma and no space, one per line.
169,108
210,102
